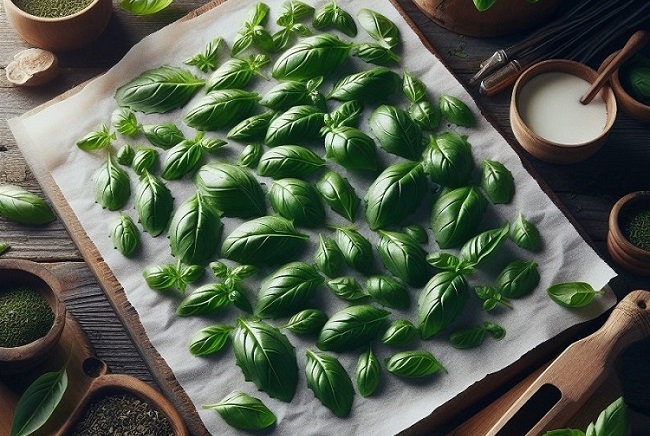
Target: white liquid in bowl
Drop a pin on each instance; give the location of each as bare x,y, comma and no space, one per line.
549,104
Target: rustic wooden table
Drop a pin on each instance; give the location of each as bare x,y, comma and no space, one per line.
585,191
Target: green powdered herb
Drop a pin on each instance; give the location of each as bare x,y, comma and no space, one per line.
25,317
635,224
122,414
52,8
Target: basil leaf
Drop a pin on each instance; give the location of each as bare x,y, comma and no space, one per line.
332,15
483,245
287,290
294,10
351,148
221,108
379,27
425,115
190,274
205,300
444,261
497,182
330,383
262,39
159,90
525,234
297,201
375,54
267,358
289,161
572,294
125,235
296,125
448,160
368,373
207,60
185,156
144,7
259,14
456,112
243,412
164,135
413,88
400,333
339,195
417,233
250,156
144,159
265,240
154,204
318,55
347,114
388,292
38,402
495,330
347,288
242,42
397,132
395,194
232,189
413,364
210,340
237,73
160,277
351,327
125,122
306,322
370,85
456,215
611,422
219,269
328,257
441,301
96,140
21,206
518,279
252,129
286,95
404,258
356,250
112,185
4,247
125,155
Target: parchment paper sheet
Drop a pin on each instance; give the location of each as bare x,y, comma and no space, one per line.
48,138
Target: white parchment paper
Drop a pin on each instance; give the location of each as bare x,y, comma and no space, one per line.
47,140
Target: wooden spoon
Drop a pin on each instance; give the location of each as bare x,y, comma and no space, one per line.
633,45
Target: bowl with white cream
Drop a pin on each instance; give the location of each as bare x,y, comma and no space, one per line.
547,117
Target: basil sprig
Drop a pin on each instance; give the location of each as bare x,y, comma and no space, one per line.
97,140
331,15
125,122
253,31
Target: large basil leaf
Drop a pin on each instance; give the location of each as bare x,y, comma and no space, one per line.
297,201
265,240
425,115
267,358
125,235
195,231
356,249
441,301
379,27
525,234
112,185
339,195
448,160
347,288
518,279
154,204
232,189
287,290
237,73
368,373
306,322
456,215
413,364
456,112
404,257
286,95
375,84
347,114
388,292
330,383
289,161
400,333
497,182
483,245
375,54
221,108
351,148
164,135
210,340
21,206
252,129
395,194
296,125
328,257
243,412
397,132
205,300
352,327
159,90
319,55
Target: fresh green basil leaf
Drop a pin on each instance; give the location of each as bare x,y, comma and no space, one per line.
250,156
240,300
388,292
368,373
160,277
444,261
298,201
96,140
318,55
144,7
356,250
371,85
404,258
456,112
352,327
306,322
221,108
330,383
125,235
413,364
518,279
456,215
418,233
125,122
286,95
164,135
289,161
347,288
346,115
425,115
265,240
331,15
232,189
21,206
351,148
612,421
182,158
397,132
237,73
125,155
207,59
339,195
205,300
191,273
483,245
210,340
448,160
252,129
413,88
328,257
497,182
243,412
400,333
495,330
219,269
296,125
375,54
441,302
159,90
112,185
324,16
154,204
263,40
259,14
241,42
379,27
267,358
525,234
144,159
572,294
287,290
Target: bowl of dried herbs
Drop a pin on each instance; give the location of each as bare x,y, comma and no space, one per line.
628,238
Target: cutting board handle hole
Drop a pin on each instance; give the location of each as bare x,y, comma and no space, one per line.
641,304
531,412
94,367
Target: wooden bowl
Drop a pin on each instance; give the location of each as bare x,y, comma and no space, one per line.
632,107
545,149
62,33
623,252
15,272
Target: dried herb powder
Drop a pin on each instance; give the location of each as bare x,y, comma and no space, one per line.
25,317
635,225
52,8
122,415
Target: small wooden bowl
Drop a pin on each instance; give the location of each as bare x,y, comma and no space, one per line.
632,107
545,149
624,253
15,272
61,33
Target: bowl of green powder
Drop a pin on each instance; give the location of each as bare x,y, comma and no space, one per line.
628,238
31,315
59,25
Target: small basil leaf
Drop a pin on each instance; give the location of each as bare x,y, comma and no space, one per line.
456,215
242,271
495,330
525,234
125,155
21,206
219,269
413,88
144,7
347,288
289,161
241,43
191,273
287,290
252,129
356,250
404,258
295,9
483,245
426,115
497,182
444,261
572,294
328,257
241,302
397,132
144,159
318,55
286,95
125,122
330,383
400,333
263,40
418,233
611,422
297,201
204,300
250,156
441,302
258,14
518,279
413,364
351,148
164,135
306,322
339,195
296,125
448,160
236,73
154,204
376,54
368,373
370,85
388,292
221,108
160,277
182,158
207,60
351,327
243,412
96,140
379,27
210,340
346,115
332,15
456,112
112,185
125,235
